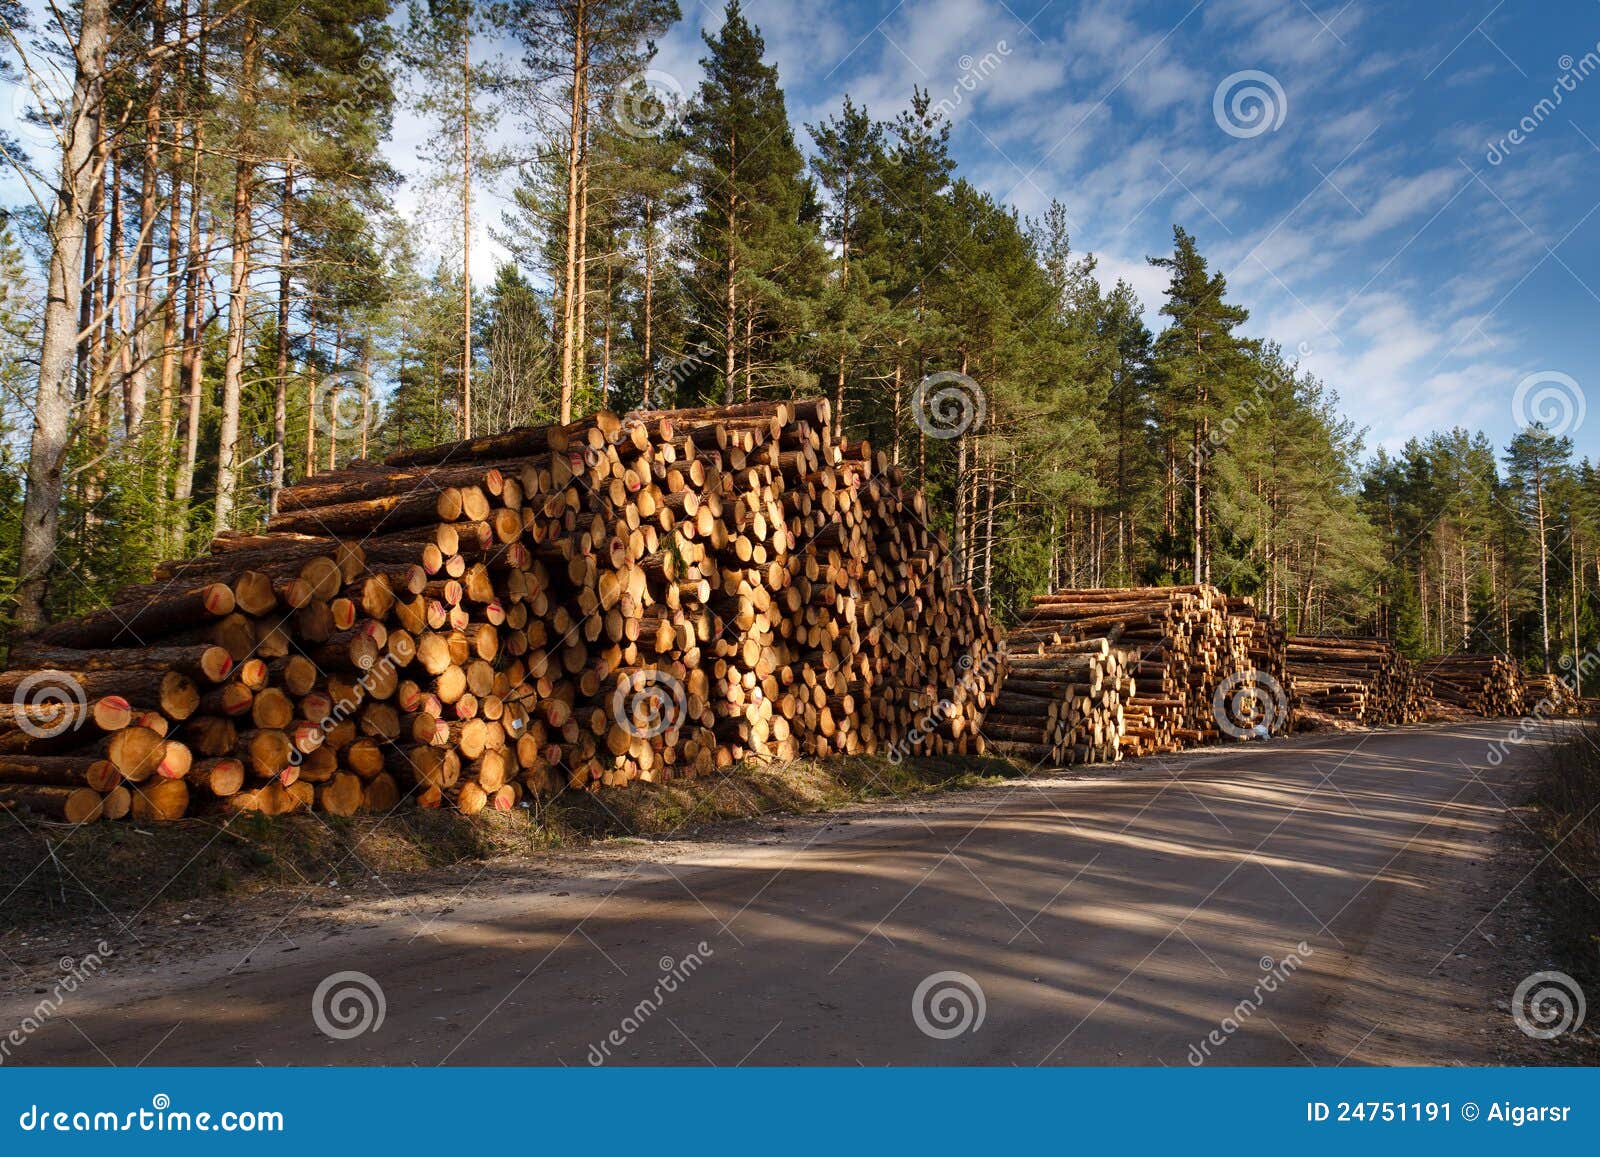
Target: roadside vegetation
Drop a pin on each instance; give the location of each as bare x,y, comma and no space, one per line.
56,872
1567,800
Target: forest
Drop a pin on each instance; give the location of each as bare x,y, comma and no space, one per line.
207,292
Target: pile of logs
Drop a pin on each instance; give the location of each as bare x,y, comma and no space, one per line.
1488,685
1187,650
1062,703
1548,697
1356,680
625,597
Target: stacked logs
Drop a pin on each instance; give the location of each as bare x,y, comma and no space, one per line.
745,587
1187,644
1489,685
620,598
1259,694
1062,703
1548,697
1356,680
91,719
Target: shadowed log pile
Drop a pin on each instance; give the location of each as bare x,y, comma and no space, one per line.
1548,697
1358,680
1489,685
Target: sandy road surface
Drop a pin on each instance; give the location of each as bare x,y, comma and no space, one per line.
1105,920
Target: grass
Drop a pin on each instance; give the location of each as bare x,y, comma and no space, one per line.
1567,799
55,872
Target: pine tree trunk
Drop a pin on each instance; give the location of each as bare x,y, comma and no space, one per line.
581,307
570,280
988,539
605,346
731,298
311,383
117,367
280,384
649,287
1577,643
63,298
466,231
169,309
366,391
749,346
144,274
1544,566
238,297
1199,492
898,390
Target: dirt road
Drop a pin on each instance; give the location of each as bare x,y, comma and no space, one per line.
1332,899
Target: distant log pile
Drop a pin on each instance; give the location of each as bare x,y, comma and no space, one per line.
634,597
1481,684
1190,655
1363,681
1549,697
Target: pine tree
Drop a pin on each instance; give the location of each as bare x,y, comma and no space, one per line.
455,83
848,165
752,236
1536,463
1203,367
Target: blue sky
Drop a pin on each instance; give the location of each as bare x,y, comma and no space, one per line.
1369,228
1369,222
